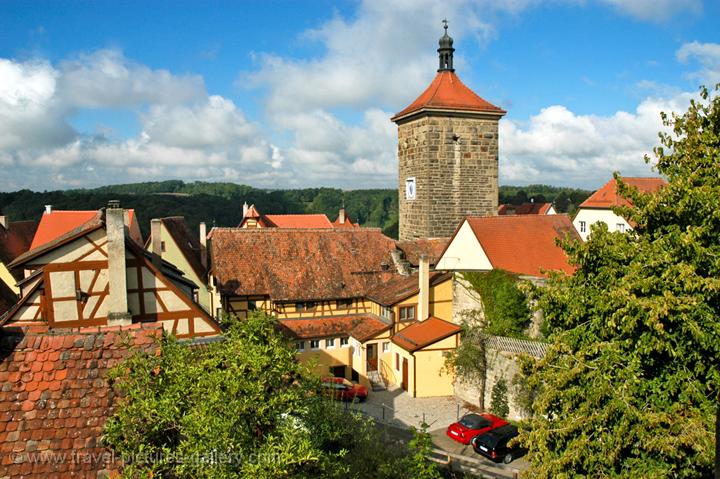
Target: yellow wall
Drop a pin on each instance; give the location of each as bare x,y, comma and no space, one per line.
172,254
8,279
239,306
324,358
429,363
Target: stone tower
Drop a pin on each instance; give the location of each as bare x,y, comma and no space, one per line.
447,154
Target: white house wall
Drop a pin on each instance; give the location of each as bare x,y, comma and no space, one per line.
464,253
594,215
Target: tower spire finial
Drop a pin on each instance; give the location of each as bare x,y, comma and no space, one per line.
446,50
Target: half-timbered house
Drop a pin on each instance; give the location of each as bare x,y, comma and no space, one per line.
96,275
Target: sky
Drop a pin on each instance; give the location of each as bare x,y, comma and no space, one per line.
291,94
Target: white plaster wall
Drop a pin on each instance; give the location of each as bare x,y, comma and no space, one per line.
592,215
464,253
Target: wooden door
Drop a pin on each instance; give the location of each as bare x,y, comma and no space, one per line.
372,357
404,383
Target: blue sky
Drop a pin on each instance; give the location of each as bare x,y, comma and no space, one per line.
292,94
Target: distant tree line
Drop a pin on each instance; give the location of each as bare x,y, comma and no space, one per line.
220,204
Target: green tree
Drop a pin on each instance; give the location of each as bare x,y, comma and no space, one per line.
499,400
631,381
241,407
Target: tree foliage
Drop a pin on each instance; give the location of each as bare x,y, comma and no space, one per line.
242,407
504,305
631,381
499,399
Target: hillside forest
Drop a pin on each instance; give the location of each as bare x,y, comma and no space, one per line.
220,204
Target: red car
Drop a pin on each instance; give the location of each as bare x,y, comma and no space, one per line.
344,390
471,425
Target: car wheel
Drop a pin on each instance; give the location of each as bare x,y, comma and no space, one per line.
508,458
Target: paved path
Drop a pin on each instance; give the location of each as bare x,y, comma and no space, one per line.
397,408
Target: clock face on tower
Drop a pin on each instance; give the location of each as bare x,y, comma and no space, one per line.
410,188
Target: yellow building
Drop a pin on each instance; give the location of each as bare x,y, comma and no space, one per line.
171,239
338,293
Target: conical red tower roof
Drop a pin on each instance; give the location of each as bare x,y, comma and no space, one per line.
447,92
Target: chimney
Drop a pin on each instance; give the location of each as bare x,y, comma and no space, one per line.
48,209
341,216
118,314
424,296
203,245
156,241
4,221
245,209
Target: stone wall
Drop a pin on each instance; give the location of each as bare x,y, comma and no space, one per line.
503,363
454,160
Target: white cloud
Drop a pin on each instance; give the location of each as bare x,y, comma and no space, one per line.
708,55
655,10
107,79
558,146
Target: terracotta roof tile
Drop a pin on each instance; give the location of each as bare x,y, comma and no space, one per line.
300,221
188,243
447,92
299,264
93,223
424,333
361,327
15,240
608,197
58,223
413,249
56,399
524,209
401,287
524,244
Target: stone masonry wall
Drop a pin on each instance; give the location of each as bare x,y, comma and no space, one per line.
455,163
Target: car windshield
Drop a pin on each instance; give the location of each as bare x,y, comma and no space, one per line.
474,421
347,383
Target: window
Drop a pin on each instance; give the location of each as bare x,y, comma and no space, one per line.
162,246
218,313
330,343
386,346
314,344
397,362
407,313
386,313
620,227
305,306
583,227
344,303
252,305
344,342
300,346
196,296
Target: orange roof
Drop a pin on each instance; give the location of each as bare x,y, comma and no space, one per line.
300,221
424,333
524,244
57,396
57,223
447,92
524,209
608,197
361,327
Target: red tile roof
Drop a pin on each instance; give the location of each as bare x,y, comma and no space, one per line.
524,209
56,399
361,327
300,221
447,92
608,197
401,287
299,264
15,240
424,333
56,224
413,249
524,244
